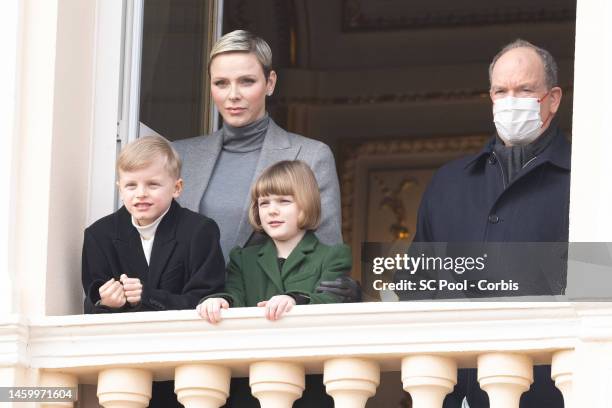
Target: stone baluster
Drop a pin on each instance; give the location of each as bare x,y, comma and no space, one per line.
562,371
428,379
202,385
56,379
504,376
351,381
124,388
276,384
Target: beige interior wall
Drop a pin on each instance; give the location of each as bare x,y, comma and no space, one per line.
53,153
10,29
72,117
33,155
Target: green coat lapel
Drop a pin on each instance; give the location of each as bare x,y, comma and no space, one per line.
305,246
268,262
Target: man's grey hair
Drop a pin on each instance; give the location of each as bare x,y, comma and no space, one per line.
550,66
244,41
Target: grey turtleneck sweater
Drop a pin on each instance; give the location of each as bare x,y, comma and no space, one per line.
230,182
514,158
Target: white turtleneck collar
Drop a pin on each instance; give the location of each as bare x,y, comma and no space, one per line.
147,234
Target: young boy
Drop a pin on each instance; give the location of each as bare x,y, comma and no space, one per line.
151,254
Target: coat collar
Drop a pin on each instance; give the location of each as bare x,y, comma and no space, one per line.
303,248
557,153
204,154
268,260
164,244
129,247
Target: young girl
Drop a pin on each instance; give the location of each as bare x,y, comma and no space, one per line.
286,269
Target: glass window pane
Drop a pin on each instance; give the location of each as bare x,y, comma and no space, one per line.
174,86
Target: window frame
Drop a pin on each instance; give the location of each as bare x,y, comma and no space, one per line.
117,94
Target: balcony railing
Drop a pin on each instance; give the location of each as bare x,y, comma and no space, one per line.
349,343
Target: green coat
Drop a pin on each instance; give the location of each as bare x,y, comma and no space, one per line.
253,273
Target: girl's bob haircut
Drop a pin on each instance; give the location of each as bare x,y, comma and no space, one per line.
289,178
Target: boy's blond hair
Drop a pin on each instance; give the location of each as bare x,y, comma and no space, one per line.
289,178
144,151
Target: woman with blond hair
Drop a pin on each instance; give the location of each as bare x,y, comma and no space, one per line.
220,168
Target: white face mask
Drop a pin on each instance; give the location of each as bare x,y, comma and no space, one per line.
517,120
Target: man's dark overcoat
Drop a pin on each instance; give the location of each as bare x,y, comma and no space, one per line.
469,200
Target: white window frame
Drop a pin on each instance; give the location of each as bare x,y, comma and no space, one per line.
117,94
107,93
132,63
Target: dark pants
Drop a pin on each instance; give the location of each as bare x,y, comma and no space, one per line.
314,395
542,393
163,395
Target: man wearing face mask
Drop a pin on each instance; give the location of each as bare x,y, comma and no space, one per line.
516,189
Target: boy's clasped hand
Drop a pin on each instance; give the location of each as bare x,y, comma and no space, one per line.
116,293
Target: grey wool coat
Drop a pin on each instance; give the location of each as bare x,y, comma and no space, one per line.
199,155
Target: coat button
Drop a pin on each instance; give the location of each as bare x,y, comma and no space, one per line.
492,159
493,219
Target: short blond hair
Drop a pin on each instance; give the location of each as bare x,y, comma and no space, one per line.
289,178
143,151
244,41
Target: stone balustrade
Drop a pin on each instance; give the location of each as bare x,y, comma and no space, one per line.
350,344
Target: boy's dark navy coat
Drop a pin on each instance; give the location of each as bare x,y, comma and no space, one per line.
186,262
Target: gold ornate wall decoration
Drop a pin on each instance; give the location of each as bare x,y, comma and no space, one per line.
381,186
449,95
374,15
402,98
392,201
432,151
